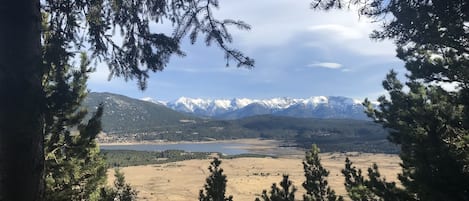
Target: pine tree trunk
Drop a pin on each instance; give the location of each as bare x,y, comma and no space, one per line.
21,102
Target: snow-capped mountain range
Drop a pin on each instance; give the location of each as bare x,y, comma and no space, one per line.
313,107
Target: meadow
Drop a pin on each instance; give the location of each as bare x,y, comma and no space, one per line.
247,177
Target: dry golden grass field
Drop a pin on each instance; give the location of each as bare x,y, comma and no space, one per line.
247,177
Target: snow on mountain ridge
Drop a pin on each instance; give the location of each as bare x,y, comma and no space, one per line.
240,102
313,107
216,106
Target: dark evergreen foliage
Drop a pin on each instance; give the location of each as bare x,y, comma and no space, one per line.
428,122
286,192
120,192
215,186
124,158
316,185
386,190
29,53
374,188
143,50
74,170
355,183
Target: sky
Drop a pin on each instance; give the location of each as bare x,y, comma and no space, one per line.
299,53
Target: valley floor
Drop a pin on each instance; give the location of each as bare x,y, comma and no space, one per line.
247,177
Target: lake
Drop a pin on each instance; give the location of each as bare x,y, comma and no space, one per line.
228,147
222,147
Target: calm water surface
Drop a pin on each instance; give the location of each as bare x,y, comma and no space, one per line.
223,147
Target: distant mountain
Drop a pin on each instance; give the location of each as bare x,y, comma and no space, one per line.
332,107
252,109
208,108
123,114
142,120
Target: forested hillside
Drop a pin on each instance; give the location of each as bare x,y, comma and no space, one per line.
138,120
127,115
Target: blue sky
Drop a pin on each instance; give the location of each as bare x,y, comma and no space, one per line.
299,53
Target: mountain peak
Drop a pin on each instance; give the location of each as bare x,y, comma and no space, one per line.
315,106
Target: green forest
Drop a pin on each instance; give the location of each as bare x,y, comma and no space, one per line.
123,158
48,142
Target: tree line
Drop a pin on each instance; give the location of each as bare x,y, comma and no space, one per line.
124,158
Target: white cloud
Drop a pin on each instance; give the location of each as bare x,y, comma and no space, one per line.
330,65
274,23
278,23
344,32
350,34
284,33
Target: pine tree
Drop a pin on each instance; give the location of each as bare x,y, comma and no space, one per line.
286,192
316,185
121,191
374,188
28,53
74,170
215,186
428,122
355,184
389,191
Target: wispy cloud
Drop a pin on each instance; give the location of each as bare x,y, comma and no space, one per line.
330,65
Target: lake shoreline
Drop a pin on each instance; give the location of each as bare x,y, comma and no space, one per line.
254,141
229,147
